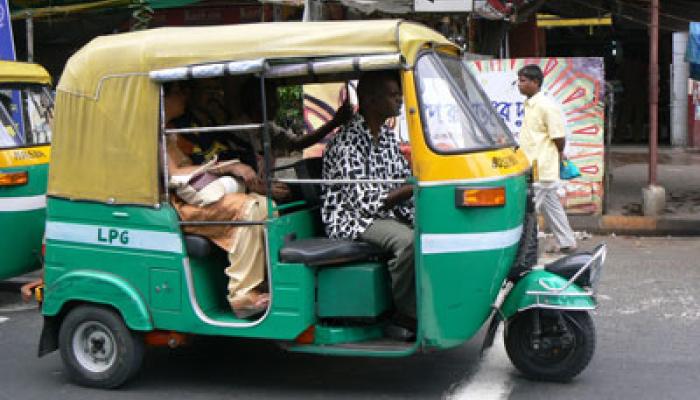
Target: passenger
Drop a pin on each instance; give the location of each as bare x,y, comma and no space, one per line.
244,244
381,214
283,140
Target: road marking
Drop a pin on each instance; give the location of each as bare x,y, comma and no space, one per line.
493,379
3,319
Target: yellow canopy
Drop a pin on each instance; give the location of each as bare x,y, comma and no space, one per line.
105,141
21,72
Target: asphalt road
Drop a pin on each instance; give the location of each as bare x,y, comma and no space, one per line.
648,328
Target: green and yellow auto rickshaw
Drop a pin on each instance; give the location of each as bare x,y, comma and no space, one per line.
26,108
120,273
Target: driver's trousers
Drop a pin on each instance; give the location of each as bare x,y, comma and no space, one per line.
396,238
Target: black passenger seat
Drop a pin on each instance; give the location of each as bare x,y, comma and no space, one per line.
324,251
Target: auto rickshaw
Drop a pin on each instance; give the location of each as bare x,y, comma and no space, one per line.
120,273
25,114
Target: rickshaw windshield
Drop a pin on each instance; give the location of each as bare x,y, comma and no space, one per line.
457,115
25,113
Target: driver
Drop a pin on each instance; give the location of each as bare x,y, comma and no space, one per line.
381,214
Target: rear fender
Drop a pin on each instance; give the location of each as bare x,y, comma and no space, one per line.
520,299
87,286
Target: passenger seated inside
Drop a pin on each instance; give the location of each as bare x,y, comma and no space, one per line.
186,105
244,244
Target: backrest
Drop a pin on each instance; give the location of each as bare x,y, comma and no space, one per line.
310,168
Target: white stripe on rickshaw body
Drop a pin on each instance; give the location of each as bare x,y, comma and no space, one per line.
438,243
25,203
118,237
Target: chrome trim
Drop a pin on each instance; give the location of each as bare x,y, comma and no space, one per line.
225,128
163,146
555,307
587,293
212,70
453,182
198,310
340,181
320,66
208,70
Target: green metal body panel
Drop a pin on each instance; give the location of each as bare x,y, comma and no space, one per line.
101,288
159,274
22,231
354,290
458,284
572,298
329,335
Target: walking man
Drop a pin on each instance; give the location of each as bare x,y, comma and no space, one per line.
542,138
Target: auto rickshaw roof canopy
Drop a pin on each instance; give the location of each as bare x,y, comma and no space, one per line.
22,72
105,137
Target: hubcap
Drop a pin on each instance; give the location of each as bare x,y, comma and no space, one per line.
94,346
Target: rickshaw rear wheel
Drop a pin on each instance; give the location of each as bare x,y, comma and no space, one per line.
562,349
97,348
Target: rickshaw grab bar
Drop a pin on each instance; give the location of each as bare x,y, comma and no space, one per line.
598,255
236,223
225,128
339,181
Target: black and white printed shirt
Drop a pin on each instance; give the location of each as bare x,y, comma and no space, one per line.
348,209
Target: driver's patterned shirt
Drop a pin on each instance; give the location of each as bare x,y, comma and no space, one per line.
348,209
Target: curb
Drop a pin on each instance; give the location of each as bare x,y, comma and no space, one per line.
635,225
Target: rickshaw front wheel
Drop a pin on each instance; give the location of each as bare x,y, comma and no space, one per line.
551,345
97,348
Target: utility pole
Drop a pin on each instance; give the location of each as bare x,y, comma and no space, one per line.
653,196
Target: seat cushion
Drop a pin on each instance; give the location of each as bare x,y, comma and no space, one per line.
198,246
324,251
568,266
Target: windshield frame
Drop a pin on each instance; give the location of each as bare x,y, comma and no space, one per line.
28,91
462,102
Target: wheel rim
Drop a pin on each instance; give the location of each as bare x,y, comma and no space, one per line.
552,356
94,346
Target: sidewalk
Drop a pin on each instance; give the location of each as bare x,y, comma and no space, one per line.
678,171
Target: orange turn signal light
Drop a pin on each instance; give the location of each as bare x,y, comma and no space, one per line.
481,197
13,178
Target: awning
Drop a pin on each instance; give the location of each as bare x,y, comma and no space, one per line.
41,9
692,54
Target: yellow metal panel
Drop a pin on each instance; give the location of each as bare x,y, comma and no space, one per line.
21,72
20,157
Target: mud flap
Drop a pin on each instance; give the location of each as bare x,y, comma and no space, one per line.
491,331
48,342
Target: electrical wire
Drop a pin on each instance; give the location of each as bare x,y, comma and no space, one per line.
628,17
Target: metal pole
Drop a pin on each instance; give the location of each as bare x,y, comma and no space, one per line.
653,90
29,24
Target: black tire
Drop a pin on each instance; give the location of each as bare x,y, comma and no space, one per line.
559,363
97,348
526,257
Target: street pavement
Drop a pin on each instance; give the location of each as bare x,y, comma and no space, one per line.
648,328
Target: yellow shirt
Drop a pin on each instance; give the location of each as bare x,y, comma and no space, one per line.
542,123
